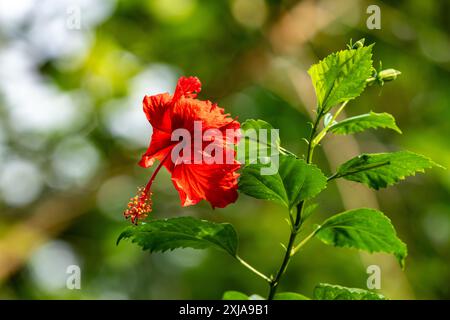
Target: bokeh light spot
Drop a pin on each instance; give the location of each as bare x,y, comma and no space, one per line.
172,10
249,13
20,182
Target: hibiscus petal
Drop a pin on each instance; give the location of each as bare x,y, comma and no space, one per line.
160,145
157,109
211,181
187,87
186,111
215,183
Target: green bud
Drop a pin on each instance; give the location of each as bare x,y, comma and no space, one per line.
358,44
388,75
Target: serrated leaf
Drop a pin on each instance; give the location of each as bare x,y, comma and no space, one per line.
290,296
257,125
324,291
309,210
234,295
341,76
295,181
182,232
365,121
379,170
258,140
365,229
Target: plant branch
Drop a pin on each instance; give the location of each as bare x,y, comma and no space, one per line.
252,269
298,220
324,131
311,146
303,242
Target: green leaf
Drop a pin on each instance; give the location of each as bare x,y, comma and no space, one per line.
290,296
341,76
234,295
255,297
324,291
309,210
379,170
363,122
364,229
258,140
295,181
252,130
182,232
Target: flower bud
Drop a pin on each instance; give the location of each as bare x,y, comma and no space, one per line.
388,75
359,44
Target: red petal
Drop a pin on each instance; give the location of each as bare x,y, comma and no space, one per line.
215,183
186,111
157,109
160,145
187,87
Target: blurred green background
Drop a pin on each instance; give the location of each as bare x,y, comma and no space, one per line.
72,130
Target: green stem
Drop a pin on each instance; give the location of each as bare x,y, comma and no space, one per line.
298,220
324,131
252,269
311,146
303,242
287,256
313,141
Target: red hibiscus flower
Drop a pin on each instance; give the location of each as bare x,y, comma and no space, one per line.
196,173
